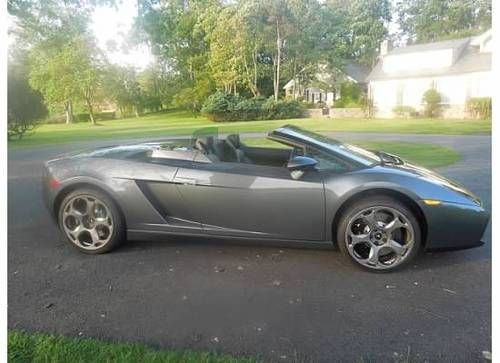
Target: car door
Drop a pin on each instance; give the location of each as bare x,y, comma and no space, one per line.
249,200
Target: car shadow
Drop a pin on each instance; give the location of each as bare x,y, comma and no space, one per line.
425,261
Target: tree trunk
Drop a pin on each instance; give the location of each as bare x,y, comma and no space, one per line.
136,111
68,110
91,112
277,62
254,57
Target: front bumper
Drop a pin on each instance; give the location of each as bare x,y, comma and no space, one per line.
452,226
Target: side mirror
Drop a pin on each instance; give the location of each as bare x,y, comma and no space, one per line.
301,163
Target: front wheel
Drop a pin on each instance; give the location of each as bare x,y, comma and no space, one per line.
90,221
379,234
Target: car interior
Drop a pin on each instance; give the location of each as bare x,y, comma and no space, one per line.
233,150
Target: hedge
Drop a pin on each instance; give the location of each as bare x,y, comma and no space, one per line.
222,106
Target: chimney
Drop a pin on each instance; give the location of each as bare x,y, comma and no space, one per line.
385,47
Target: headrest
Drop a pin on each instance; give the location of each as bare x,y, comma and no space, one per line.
234,140
204,144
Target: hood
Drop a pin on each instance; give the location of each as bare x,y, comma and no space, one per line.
432,177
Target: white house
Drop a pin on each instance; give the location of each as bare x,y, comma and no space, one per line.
325,87
457,69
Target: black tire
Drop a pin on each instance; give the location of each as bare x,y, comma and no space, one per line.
383,201
117,234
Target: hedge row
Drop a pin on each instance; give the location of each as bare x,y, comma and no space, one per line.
222,106
98,116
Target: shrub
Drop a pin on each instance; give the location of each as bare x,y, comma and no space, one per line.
404,111
432,100
222,106
248,109
81,117
310,105
480,107
281,109
351,96
25,107
98,116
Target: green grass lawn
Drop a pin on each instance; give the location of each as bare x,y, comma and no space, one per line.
27,347
182,123
428,155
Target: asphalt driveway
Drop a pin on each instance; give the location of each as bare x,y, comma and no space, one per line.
278,303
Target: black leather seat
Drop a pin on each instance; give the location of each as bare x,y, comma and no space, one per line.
207,145
233,141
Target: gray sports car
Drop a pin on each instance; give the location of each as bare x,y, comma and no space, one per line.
378,209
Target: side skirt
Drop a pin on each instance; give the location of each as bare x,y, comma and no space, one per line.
145,235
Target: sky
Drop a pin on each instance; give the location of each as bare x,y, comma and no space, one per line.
111,27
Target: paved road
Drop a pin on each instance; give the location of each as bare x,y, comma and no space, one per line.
278,303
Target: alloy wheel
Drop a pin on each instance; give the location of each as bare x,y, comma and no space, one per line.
379,237
87,222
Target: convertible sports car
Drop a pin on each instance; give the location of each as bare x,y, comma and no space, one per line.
377,208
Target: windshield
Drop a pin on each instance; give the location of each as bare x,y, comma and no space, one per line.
355,153
212,132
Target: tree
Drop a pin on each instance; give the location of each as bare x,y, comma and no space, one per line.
87,65
41,20
432,100
249,46
276,21
122,86
434,20
175,32
359,28
25,106
157,86
67,73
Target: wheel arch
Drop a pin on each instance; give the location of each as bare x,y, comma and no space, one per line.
398,195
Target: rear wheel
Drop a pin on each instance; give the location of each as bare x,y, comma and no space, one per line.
379,234
90,221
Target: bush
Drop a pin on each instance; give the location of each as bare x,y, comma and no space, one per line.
351,96
106,115
25,107
81,117
98,116
248,109
432,100
281,109
222,106
480,107
404,111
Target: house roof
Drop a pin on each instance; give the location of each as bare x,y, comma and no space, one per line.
351,69
356,71
469,59
447,44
